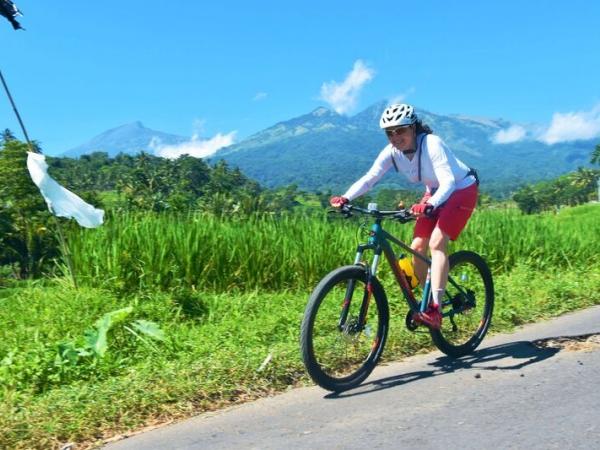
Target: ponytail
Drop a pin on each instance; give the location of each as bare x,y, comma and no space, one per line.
422,127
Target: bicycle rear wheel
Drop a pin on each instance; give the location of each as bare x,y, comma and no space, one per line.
468,310
339,351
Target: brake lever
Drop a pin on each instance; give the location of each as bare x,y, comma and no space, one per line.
404,216
344,212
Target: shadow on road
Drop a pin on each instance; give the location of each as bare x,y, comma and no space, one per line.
511,356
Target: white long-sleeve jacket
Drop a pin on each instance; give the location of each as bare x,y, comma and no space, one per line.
441,171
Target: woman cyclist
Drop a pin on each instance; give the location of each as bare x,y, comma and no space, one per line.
449,199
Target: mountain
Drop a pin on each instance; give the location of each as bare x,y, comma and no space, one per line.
131,138
324,150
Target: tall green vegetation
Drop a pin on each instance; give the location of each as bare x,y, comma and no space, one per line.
134,252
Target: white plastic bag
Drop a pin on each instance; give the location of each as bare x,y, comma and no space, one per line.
61,202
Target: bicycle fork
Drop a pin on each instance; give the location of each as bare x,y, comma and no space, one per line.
367,294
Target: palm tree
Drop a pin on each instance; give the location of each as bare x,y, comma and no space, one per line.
596,155
584,179
7,136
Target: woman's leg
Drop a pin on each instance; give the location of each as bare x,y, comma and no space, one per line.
419,244
438,244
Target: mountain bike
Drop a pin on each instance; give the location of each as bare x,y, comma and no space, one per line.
346,320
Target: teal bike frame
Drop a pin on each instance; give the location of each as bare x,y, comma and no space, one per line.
380,242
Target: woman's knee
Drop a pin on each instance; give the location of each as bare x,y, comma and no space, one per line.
439,240
419,244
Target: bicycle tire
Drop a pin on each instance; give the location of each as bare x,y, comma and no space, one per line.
473,312
322,316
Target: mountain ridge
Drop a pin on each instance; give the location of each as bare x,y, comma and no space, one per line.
323,150
130,138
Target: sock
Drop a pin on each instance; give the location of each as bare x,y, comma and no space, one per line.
437,294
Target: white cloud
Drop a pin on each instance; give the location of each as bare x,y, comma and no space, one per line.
572,126
342,96
260,96
514,133
196,147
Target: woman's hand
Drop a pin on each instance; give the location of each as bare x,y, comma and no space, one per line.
421,209
338,201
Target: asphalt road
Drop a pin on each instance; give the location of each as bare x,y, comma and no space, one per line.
515,392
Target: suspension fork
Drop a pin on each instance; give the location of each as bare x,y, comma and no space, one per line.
368,293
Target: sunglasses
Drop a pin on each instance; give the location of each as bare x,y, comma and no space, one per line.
396,131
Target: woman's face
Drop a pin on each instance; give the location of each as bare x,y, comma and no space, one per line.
403,138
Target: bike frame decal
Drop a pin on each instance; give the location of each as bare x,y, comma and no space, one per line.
346,304
364,307
375,344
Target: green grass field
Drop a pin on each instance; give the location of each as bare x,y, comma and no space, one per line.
218,330
162,252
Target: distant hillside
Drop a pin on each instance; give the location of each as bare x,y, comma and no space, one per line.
324,150
131,138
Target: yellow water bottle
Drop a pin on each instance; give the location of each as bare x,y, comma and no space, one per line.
406,266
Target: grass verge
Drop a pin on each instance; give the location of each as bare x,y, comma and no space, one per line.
210,358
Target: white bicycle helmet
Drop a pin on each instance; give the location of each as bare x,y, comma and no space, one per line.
398,115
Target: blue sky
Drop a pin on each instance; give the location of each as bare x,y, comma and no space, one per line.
222,71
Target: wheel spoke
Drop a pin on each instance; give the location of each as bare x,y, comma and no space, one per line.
342,352
339,349
467,305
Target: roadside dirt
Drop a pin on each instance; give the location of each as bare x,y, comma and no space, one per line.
582,343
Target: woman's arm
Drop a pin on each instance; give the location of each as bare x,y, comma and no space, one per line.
443,172
381,165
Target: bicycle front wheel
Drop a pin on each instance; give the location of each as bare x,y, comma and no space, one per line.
467,307
344,328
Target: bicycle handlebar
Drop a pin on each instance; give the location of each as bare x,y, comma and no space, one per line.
402,215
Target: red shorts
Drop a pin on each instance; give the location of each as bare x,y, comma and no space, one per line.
452,216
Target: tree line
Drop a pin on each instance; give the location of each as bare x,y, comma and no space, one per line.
571,189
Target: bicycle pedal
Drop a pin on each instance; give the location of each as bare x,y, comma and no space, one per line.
411,325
